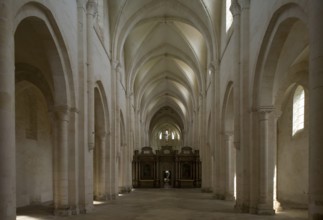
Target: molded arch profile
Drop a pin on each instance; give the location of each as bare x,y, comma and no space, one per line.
276,34
227,113
159,104
101,108
28,73
41,17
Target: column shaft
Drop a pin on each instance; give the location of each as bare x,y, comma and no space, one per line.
316,111
229,183
101,194
115,132
245,119
7,116
236,11
91,7
61,174
265,204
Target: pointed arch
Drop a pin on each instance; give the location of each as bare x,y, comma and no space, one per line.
43,20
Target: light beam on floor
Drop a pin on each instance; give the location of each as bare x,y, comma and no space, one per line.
24,217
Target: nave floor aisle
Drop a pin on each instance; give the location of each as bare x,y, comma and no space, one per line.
165,204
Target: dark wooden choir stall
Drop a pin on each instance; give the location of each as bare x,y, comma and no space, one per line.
166,168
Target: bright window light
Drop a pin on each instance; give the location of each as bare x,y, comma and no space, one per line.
298,109
98,202
228,18
235,186
24,217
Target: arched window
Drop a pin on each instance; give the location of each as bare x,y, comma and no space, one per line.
298,109
228,15
160,135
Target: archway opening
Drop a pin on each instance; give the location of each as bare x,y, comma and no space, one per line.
34,147
42,119
166,129
100,148
229,151
293,152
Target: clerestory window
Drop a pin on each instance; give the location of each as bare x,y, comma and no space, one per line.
298,109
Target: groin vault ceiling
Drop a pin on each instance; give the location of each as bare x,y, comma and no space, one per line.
165,47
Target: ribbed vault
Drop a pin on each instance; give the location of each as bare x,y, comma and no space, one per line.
165,47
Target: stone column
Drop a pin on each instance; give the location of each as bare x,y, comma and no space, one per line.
101,166
245,116
229,186
129,141
204,146
265,203
276,115
74,156
316,111
91,8
115,131
7,115
236,12
61,161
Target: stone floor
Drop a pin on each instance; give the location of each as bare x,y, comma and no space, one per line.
162,204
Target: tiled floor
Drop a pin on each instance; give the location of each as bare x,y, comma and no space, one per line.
163,204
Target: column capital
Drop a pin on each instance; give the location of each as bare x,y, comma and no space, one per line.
235,8
245,4
129,94
101,134
277,113
61,112
264,112
212,68
228,135
116,65
237,145
92,7
265,109
74,110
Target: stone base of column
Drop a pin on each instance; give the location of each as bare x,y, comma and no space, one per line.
242,208
265,209
63,211
206,190
112,197
218,196
316,211
75,210
316,217
86,209
229,197
100,198
129,189
124,189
